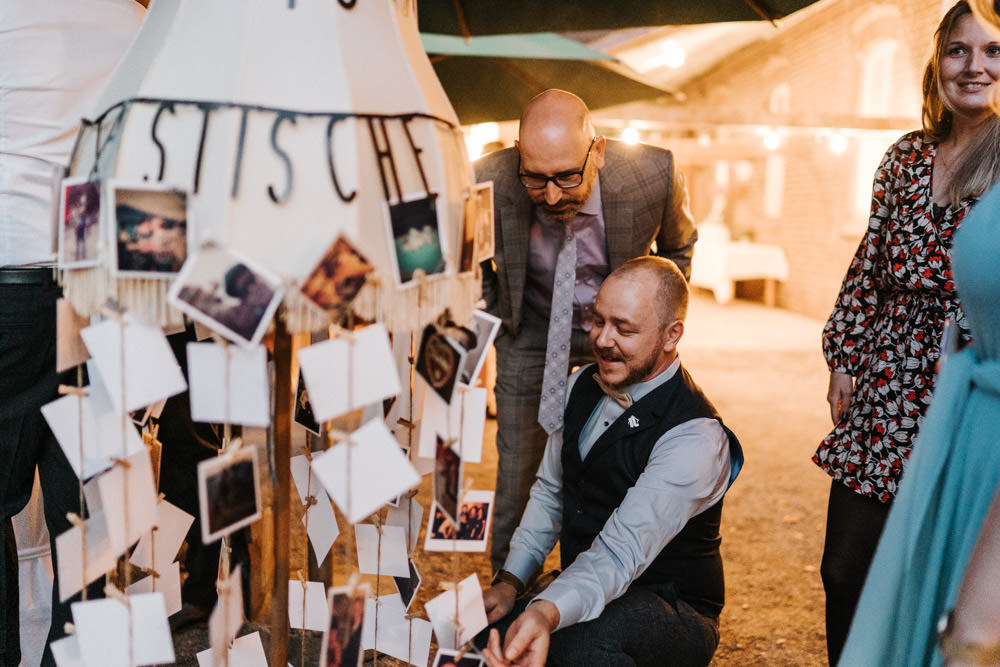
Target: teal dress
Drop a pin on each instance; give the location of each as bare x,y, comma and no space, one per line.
950,479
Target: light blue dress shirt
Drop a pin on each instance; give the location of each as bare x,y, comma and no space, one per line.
688,472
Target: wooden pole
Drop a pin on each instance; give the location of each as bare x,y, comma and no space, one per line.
282,488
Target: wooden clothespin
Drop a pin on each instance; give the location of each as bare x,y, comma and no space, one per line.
124,463
406,423
115,594
65,389
377,520
310,501
308,452
76,520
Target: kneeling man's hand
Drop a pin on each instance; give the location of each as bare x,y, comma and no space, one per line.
499,600
527,640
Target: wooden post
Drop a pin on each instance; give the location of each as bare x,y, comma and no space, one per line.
282,488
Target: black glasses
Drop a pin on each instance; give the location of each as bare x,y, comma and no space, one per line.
565,180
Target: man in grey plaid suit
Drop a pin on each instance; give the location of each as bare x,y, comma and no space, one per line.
615,202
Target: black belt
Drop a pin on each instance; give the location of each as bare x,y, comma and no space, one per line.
27,276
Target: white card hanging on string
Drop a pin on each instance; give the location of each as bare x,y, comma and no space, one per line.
100,556
367,473
229,384
342,375
162,544
423,465
406,639
150,370
321,526
105,432
246,651
452,632
314,597
226,618
66,652
70,350
168,583
129,500
113,634
386,557
463,418
409,512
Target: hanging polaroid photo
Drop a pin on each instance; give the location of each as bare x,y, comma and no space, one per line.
227,292
149,230
440,360
303,408
408,586
448,658
228,493
338,277
467,250
447,477
482,194
485,328
342,638
79,223
416,238
474,516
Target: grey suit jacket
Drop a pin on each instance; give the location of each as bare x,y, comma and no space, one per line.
644,199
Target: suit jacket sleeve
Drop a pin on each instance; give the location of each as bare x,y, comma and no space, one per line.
677,234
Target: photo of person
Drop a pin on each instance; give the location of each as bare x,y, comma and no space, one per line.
485,327
470,220
483,196
228,493
473,528
80,223
338,277
413,227
150,231
227,293
447,478
448,658
439,361
342,638
407,586
303,409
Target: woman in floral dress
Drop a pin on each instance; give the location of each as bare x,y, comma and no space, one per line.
882,340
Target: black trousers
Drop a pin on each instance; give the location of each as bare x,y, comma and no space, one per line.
28,380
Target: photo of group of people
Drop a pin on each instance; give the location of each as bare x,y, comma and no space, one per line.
474,516
151,238
342,639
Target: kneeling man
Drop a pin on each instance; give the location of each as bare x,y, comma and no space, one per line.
632,489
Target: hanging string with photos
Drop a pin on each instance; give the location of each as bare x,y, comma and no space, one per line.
181,134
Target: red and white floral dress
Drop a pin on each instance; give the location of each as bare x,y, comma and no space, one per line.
886,327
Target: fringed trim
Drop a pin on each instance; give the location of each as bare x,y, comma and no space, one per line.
89,289
406,309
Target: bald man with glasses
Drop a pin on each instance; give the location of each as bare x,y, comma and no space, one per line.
569,208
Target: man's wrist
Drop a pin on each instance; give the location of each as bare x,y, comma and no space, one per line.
548,611
505,577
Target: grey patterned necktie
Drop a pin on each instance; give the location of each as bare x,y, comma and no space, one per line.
550,410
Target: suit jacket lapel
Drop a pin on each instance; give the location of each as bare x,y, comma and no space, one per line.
515,225
617,212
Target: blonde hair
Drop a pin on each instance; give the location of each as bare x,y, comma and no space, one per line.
672,289
979,165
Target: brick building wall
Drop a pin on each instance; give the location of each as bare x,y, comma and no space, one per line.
845,67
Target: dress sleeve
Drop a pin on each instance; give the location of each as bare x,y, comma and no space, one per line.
848,331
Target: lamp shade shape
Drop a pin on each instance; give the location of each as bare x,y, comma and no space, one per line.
287,124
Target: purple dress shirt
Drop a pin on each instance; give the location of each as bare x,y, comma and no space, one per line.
591,260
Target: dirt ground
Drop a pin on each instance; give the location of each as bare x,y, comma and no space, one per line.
763,370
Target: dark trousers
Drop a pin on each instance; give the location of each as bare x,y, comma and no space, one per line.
185,445
520,438
639,629
27,381
853,526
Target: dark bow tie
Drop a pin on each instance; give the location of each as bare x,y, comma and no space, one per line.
622,398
